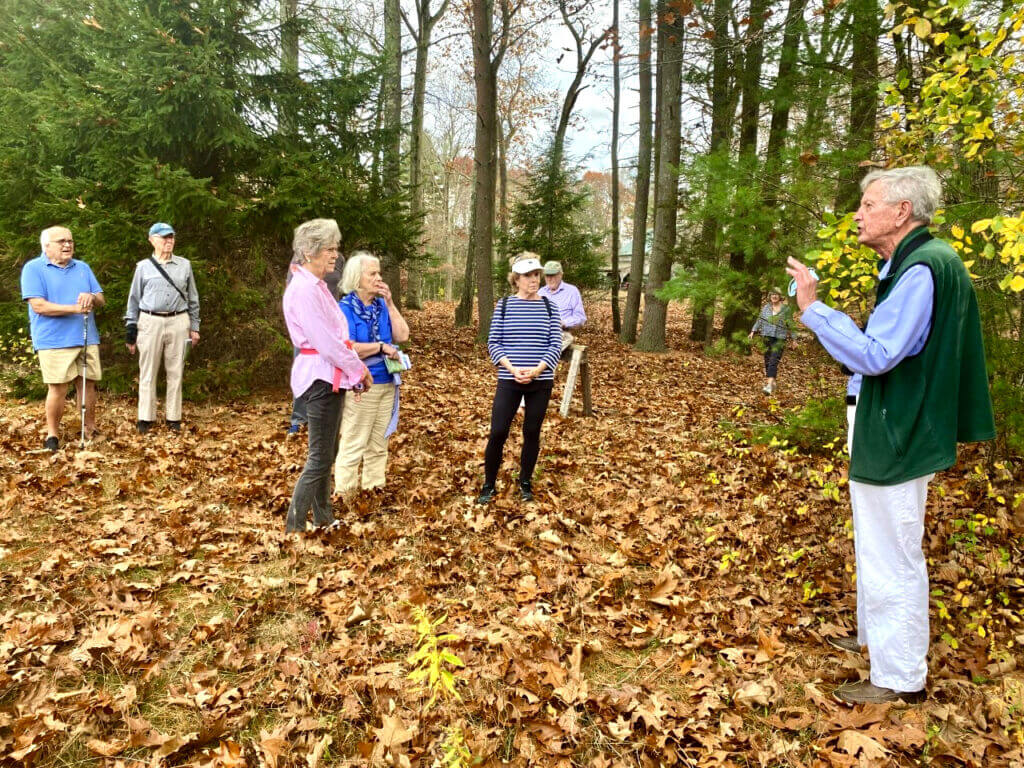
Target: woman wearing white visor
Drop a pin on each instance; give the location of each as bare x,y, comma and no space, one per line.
525,343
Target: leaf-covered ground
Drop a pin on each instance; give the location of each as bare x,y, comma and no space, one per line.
662,602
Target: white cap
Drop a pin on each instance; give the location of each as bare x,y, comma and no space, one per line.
523,266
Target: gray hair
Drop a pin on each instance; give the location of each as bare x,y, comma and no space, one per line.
44,236
919,185
312,236
353,271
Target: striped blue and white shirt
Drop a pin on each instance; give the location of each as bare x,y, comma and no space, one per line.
526,335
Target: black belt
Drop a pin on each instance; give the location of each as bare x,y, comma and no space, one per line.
851,399
163,314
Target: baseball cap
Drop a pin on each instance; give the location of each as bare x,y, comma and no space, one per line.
161,229
552,268
524,266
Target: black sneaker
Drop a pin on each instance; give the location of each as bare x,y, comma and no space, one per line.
525,491
52,444
174,426
486,494
144,426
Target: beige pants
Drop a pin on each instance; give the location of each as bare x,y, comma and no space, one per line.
161,338
64,365
567,340
363,425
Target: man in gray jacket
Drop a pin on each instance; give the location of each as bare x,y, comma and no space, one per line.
162,317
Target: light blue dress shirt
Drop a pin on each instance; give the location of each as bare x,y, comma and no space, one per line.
898,327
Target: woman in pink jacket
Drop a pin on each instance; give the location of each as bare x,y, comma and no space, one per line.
324,368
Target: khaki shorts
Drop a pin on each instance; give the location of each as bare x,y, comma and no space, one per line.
61,366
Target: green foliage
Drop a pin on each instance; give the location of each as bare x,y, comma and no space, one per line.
19,374
810,427
454,752
432,664
168,110
549,222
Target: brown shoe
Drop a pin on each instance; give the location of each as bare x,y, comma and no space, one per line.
844,642
866,693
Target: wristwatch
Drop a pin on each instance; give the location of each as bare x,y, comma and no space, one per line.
381,350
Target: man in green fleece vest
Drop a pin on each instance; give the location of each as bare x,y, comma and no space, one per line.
921,387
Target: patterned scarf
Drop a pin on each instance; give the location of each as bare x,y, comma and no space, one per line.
368,314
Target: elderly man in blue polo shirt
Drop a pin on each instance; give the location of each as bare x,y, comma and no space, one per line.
161,319
567,298
60,290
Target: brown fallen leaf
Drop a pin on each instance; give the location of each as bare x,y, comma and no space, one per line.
854,742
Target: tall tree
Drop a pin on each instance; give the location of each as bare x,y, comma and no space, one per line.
750,114
721,124
576,20
782,102
392,166
289,62
670,48
485,80
616,106
866,28
421,34
643,179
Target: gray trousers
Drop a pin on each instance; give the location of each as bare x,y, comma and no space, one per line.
313,490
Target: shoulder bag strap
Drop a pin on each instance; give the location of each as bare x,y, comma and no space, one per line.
167,277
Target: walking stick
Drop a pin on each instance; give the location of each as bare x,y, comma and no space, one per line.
85,353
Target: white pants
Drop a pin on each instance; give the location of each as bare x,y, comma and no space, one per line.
892,580
161,338
363,425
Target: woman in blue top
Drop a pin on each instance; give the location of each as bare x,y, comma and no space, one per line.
525,342
375,325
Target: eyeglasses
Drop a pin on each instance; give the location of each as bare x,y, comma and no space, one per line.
165,237
65,241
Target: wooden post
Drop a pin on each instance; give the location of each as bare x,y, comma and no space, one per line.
578,361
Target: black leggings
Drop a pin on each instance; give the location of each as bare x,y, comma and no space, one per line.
506,402
772,354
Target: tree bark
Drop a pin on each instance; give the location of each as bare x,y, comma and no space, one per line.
721,100
643,181
392,169
584,52
863,102
289,60
750,113
670,46
425,22
616,105
464,311
482,237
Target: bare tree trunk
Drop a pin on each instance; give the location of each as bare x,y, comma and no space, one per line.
782,101
390,266
670,46
289,60
503,180
424,28
584,52
616,105
643,182
464,310
750,113
721,101
482,236
863,101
